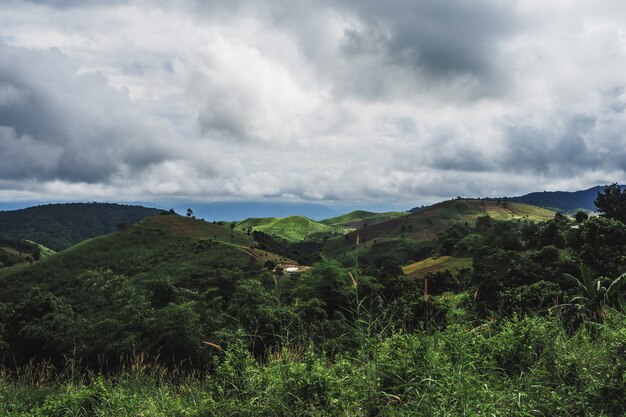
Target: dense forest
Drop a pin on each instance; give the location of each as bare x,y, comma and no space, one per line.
58,226
181,317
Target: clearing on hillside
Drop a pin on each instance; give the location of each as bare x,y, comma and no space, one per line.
443,263
361,218
425,224
294,228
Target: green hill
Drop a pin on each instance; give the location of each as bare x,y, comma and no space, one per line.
178,247
59,226
425,224
293,228
16,251
360,218
443,263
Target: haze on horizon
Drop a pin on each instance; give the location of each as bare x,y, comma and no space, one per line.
349,101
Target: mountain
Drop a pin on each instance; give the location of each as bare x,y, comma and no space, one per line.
563,201
59,226
293,228
359,218
425,224
182,248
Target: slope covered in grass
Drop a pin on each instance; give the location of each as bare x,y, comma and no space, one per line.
293,228
361,218
59,226
178,247
425,224
194,229
431,265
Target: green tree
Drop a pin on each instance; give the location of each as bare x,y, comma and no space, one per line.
581,216
603,246
612,202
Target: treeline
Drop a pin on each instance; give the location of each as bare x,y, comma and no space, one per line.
59,226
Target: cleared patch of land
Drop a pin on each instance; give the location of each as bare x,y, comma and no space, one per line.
361,218
425,224
293,228
195,229
443,263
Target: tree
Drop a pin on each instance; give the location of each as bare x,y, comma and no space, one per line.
612,202
189,212
581,216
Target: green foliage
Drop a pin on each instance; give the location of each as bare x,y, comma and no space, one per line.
602,246
612,202
59,226
522,366
294,228
176,317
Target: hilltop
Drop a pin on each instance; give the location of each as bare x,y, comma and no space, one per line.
171,245
563,201
293,228
360,218
425,224
16,251
58,226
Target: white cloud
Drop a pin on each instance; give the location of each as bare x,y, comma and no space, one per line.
406,102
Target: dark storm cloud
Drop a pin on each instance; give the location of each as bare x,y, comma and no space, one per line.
574,144
311,99
71,3
441,40
56,124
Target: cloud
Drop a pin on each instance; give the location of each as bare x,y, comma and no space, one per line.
57,124
443,42
405,102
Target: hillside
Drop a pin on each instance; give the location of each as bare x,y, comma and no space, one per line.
178,247
293,228
59,226
563,201
359,218
430,265
425,224
15,251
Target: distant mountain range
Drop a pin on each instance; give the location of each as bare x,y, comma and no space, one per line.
563,201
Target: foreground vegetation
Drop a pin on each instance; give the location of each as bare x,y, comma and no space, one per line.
177,317
528,366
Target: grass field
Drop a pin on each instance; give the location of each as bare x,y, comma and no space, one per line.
360,218
443,263
425,224
195,229
293,228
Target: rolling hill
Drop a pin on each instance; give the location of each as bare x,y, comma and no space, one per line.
182,248
425,224
430,265
15,251
293,228
59,226
359,218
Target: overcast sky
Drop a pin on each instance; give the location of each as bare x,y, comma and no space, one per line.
365,101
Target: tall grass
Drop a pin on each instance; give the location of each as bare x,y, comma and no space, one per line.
516,367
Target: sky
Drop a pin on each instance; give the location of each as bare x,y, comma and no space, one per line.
365,102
